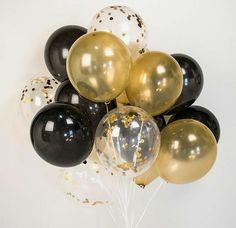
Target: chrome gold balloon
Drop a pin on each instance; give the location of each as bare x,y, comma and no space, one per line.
150,175
98,66
188,151
156,82
123,99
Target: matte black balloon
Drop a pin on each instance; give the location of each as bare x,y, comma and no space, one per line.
160,121
57,48
192,83
201,114
66,93
61,134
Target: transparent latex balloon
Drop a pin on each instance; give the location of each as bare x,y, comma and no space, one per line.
37,93
125,23
84,183
127,140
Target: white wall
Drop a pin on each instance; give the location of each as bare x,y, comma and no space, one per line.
204,29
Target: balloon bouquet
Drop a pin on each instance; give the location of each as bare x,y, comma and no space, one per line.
105,123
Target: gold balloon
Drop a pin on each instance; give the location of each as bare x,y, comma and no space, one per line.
188,151
98,66
123,99
150,175
156,82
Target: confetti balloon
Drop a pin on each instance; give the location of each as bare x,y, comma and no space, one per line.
84,184
156,82
127,140
188,151
98,66
125,23
36,94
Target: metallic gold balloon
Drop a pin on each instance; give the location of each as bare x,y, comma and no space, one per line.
156,82
150,175
188,151
127,141
123,99
98,66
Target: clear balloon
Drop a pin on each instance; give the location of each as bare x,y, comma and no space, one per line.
188,151
98,66
127,140
156,82
84,184
36,94
126,24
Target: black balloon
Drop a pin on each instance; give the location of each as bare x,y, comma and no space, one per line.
192,83
57,48
201,114
61,134
160,121
66,93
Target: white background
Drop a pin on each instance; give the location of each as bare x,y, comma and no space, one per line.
203,29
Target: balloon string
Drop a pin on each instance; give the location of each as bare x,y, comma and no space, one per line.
148,203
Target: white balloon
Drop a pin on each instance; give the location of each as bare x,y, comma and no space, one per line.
85,184
125,23
36,94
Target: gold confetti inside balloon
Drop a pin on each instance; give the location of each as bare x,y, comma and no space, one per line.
98,66
37,93
188,151
125,23
84,184
156,82
127,141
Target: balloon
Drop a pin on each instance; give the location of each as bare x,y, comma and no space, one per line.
61,134
193,83
123,99
57,48
160,121
155,82
201,114
95,111
98,66
125,23
36,94
149,176
188,151
84,184
127,140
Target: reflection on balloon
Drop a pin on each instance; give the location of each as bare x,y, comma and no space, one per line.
57,48
188,151
127,141
155,82
36,94
95,111
201,114
61,134
193,82
126,24
98,66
